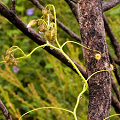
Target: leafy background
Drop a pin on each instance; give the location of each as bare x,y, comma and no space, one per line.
42,80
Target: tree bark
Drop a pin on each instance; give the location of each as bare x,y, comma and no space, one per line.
93,36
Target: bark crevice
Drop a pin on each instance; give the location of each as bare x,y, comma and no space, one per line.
93,36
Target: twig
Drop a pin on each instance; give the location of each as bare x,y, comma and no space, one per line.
115,69
74,1
117,61
108,29
115,103
106,5
36,37
113,39
73,8
72,34
12,7
115,88
5,111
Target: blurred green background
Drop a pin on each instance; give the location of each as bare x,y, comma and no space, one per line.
41,80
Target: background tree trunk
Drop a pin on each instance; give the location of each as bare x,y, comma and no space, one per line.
93,36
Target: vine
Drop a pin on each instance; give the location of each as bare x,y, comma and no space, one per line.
47,25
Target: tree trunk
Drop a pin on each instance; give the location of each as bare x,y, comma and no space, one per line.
93,36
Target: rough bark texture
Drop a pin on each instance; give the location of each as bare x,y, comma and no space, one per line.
93,36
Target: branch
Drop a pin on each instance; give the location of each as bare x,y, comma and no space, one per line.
74,1
5,111
106,5
115,69
12,7
73,8
72,34
113,39
115,88
115,103
117,61
108,29
13,18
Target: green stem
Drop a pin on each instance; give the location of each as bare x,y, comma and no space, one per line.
84,89
36,49
80,45
85,85
46,108
54,21
18,49
78,99
48,44
75,67
25,56
111,116
60,48
95,73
